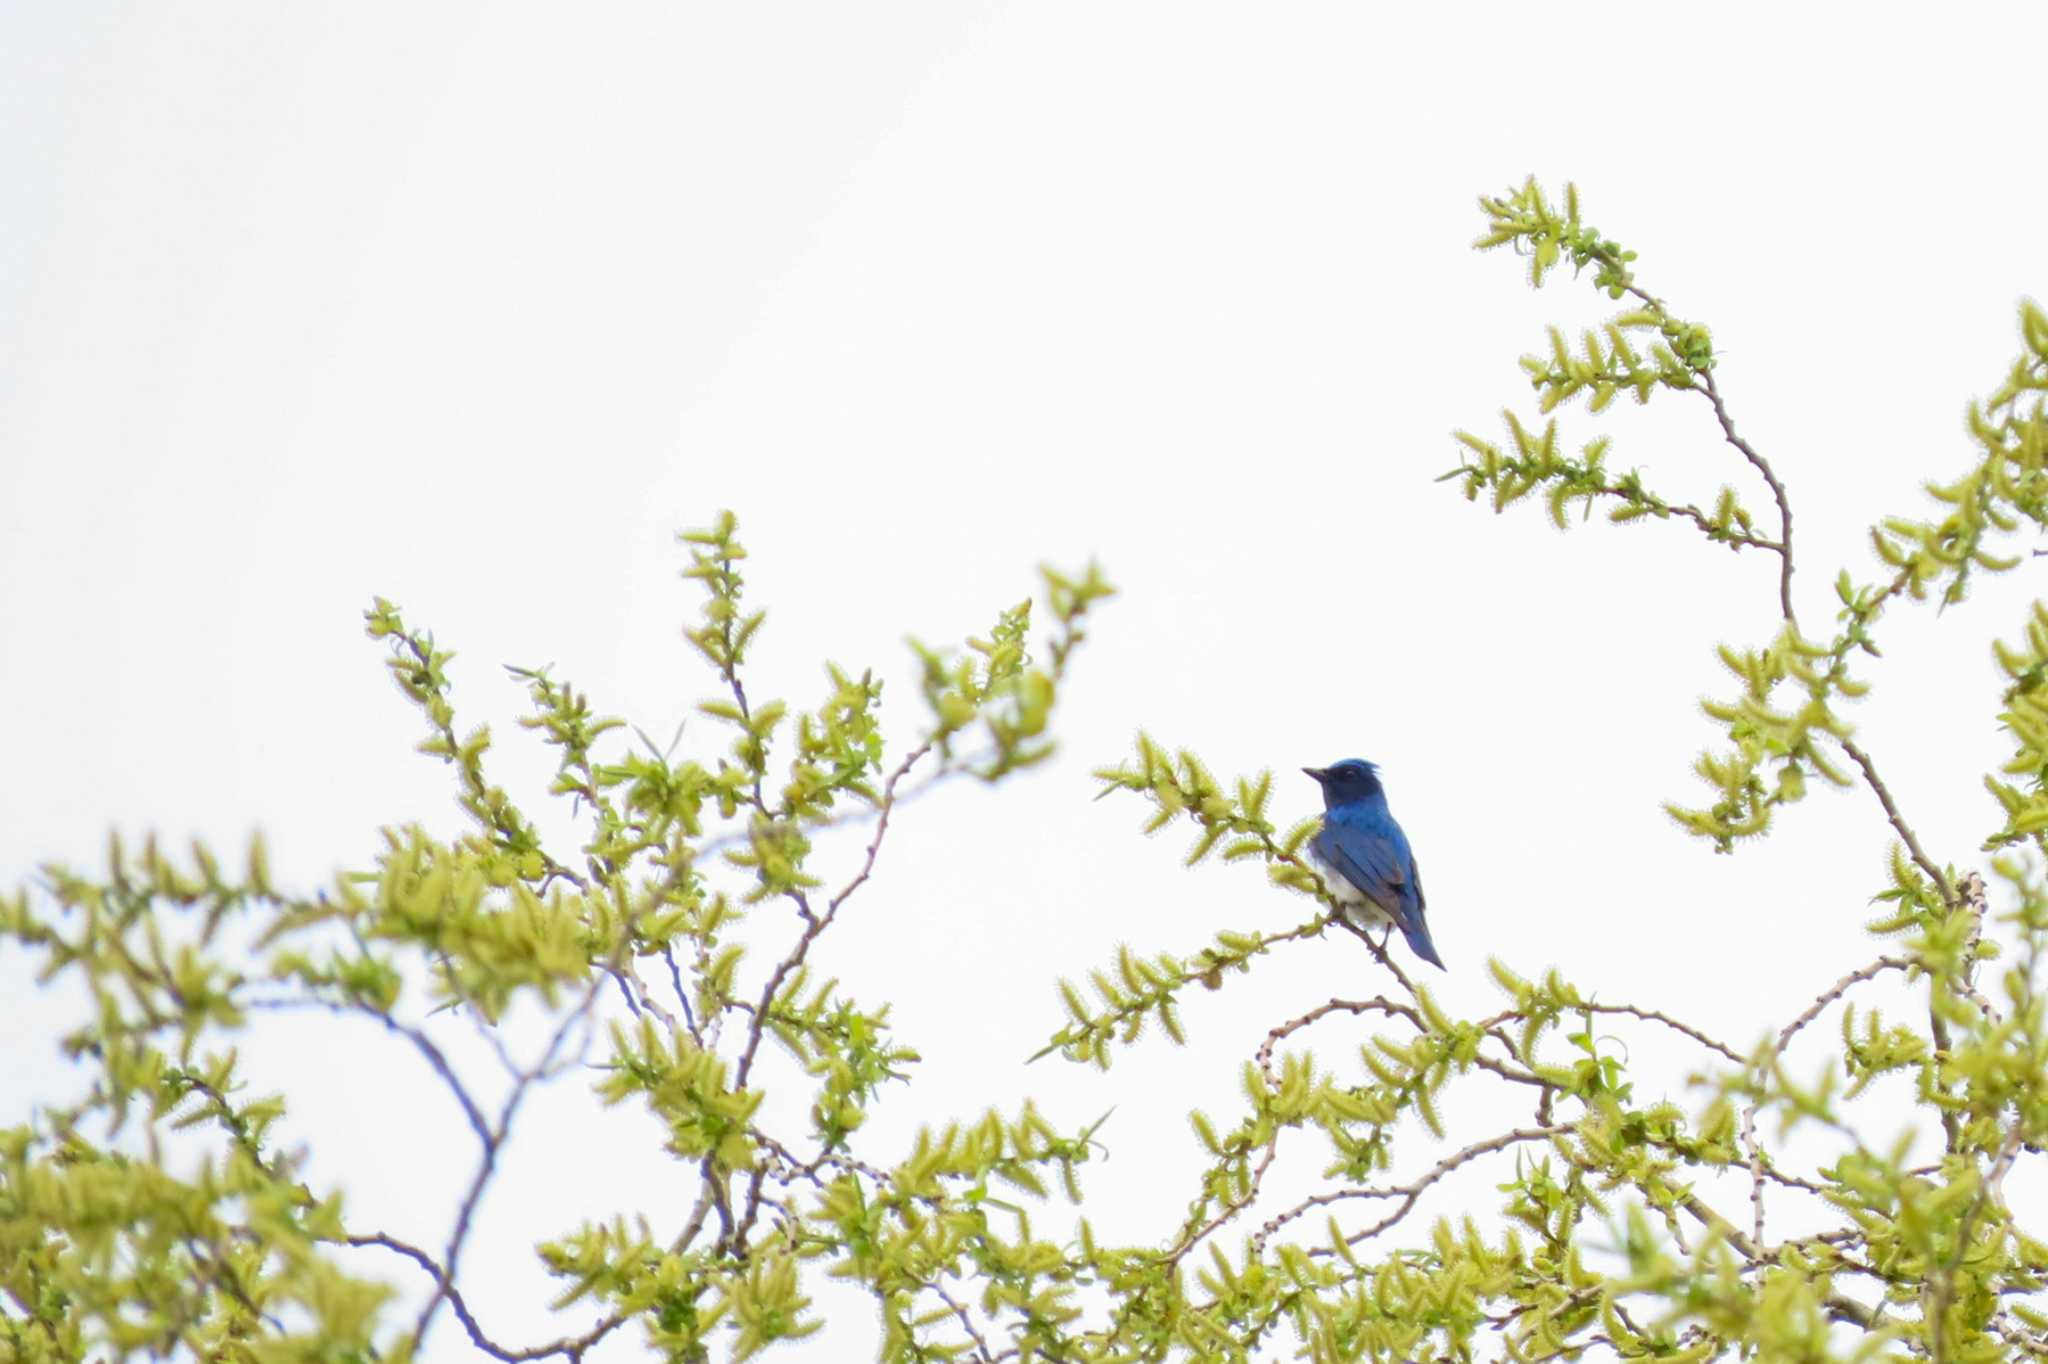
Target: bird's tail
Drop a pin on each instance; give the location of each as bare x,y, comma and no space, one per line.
1416,931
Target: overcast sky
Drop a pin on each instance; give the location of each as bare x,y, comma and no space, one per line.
474,306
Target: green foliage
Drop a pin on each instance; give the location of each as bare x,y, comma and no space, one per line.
114,1242
162,1213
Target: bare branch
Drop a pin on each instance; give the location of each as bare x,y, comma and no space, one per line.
1833,993
1898,821
1230,1210
418,1038
981,1346
494,1144
1763,468
1408,1193
570,1346
1379,1005
1685,1029
821,922
814,926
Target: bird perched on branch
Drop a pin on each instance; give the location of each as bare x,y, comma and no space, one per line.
1364,856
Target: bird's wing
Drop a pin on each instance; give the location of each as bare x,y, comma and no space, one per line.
1372,861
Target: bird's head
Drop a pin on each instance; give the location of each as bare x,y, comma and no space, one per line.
1351,780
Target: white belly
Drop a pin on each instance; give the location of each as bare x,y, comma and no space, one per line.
1350,899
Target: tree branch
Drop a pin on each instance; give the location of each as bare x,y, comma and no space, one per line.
494,1142
1408,1193
570,1346
814,926
1898,821
1763,467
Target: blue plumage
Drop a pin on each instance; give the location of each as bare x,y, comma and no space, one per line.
1365,857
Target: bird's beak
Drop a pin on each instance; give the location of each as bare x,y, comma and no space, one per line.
1316,772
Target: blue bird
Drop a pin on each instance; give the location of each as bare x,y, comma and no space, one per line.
1364,855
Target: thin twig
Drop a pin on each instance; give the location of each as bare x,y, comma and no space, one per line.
1759,1165
814,926
1231,1209
571,1346
675,975
1408,1193
1379,1005
821,922
420,1041
1763,467
1378,949
981,1347
1492,1024
493,1145
1833,993
1898,821
1756,1170
1654,1016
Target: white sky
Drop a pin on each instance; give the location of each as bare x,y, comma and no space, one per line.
474,306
